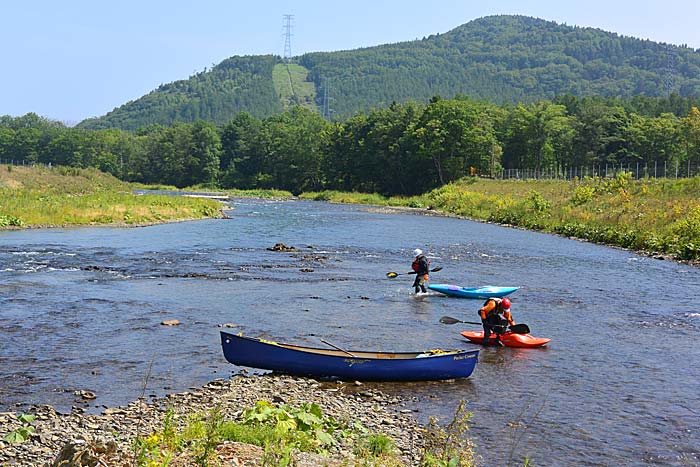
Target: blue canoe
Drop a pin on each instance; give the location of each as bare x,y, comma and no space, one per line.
486,291
348,365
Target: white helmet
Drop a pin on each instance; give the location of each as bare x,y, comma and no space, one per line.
417,252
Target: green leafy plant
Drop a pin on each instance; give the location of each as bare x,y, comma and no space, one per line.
539,203
21,434
6,221
582,194
305,427
279,430
380,444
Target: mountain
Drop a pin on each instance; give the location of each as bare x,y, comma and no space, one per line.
502,59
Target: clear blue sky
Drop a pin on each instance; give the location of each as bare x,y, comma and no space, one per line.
73,59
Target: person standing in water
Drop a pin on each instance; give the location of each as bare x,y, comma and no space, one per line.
421,266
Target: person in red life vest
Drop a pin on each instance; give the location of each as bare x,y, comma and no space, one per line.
495,316
421,266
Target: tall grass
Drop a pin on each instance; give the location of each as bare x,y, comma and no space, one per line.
61,196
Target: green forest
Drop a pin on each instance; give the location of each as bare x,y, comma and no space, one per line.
499,59
402,149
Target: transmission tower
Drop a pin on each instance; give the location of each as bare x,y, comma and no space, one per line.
288,20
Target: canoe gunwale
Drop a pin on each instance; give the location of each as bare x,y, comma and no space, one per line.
361,354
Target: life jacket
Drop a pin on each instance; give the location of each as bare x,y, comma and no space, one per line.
418,267
498,313
415,266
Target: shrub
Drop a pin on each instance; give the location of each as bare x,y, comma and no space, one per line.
582,194
539,203
10,221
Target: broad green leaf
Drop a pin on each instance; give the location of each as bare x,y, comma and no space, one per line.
324,437
286,425
309,418
14,437
25,418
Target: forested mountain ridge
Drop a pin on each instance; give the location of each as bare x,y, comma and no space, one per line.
502,59
234,85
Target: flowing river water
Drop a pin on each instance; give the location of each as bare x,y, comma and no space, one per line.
619,385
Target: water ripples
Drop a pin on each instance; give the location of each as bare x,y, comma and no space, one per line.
81,309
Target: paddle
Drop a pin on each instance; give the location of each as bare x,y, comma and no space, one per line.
337,348
516,329
520,329
450,320
393,274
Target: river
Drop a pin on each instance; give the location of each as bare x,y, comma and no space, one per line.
80,310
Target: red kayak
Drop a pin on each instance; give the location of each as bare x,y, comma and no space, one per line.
509,339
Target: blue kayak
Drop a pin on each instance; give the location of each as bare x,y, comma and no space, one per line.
486,291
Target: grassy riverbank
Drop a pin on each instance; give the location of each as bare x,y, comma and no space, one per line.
654,216
62,196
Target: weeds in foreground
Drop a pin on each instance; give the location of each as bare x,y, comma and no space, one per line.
141,451
376,450
279,431
450,446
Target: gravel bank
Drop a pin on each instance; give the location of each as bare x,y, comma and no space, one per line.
110,434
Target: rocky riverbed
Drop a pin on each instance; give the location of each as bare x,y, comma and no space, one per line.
107,439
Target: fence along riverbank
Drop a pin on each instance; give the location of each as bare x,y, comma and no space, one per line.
638,171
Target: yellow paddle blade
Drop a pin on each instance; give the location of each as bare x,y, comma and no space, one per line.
391,275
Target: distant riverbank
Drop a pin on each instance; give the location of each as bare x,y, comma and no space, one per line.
33,197
657,217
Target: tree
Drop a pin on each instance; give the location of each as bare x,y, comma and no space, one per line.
7,137
293,142
241,159
343,164
601,134
654,139
541,131
204,153
455,135
388,143
691,136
